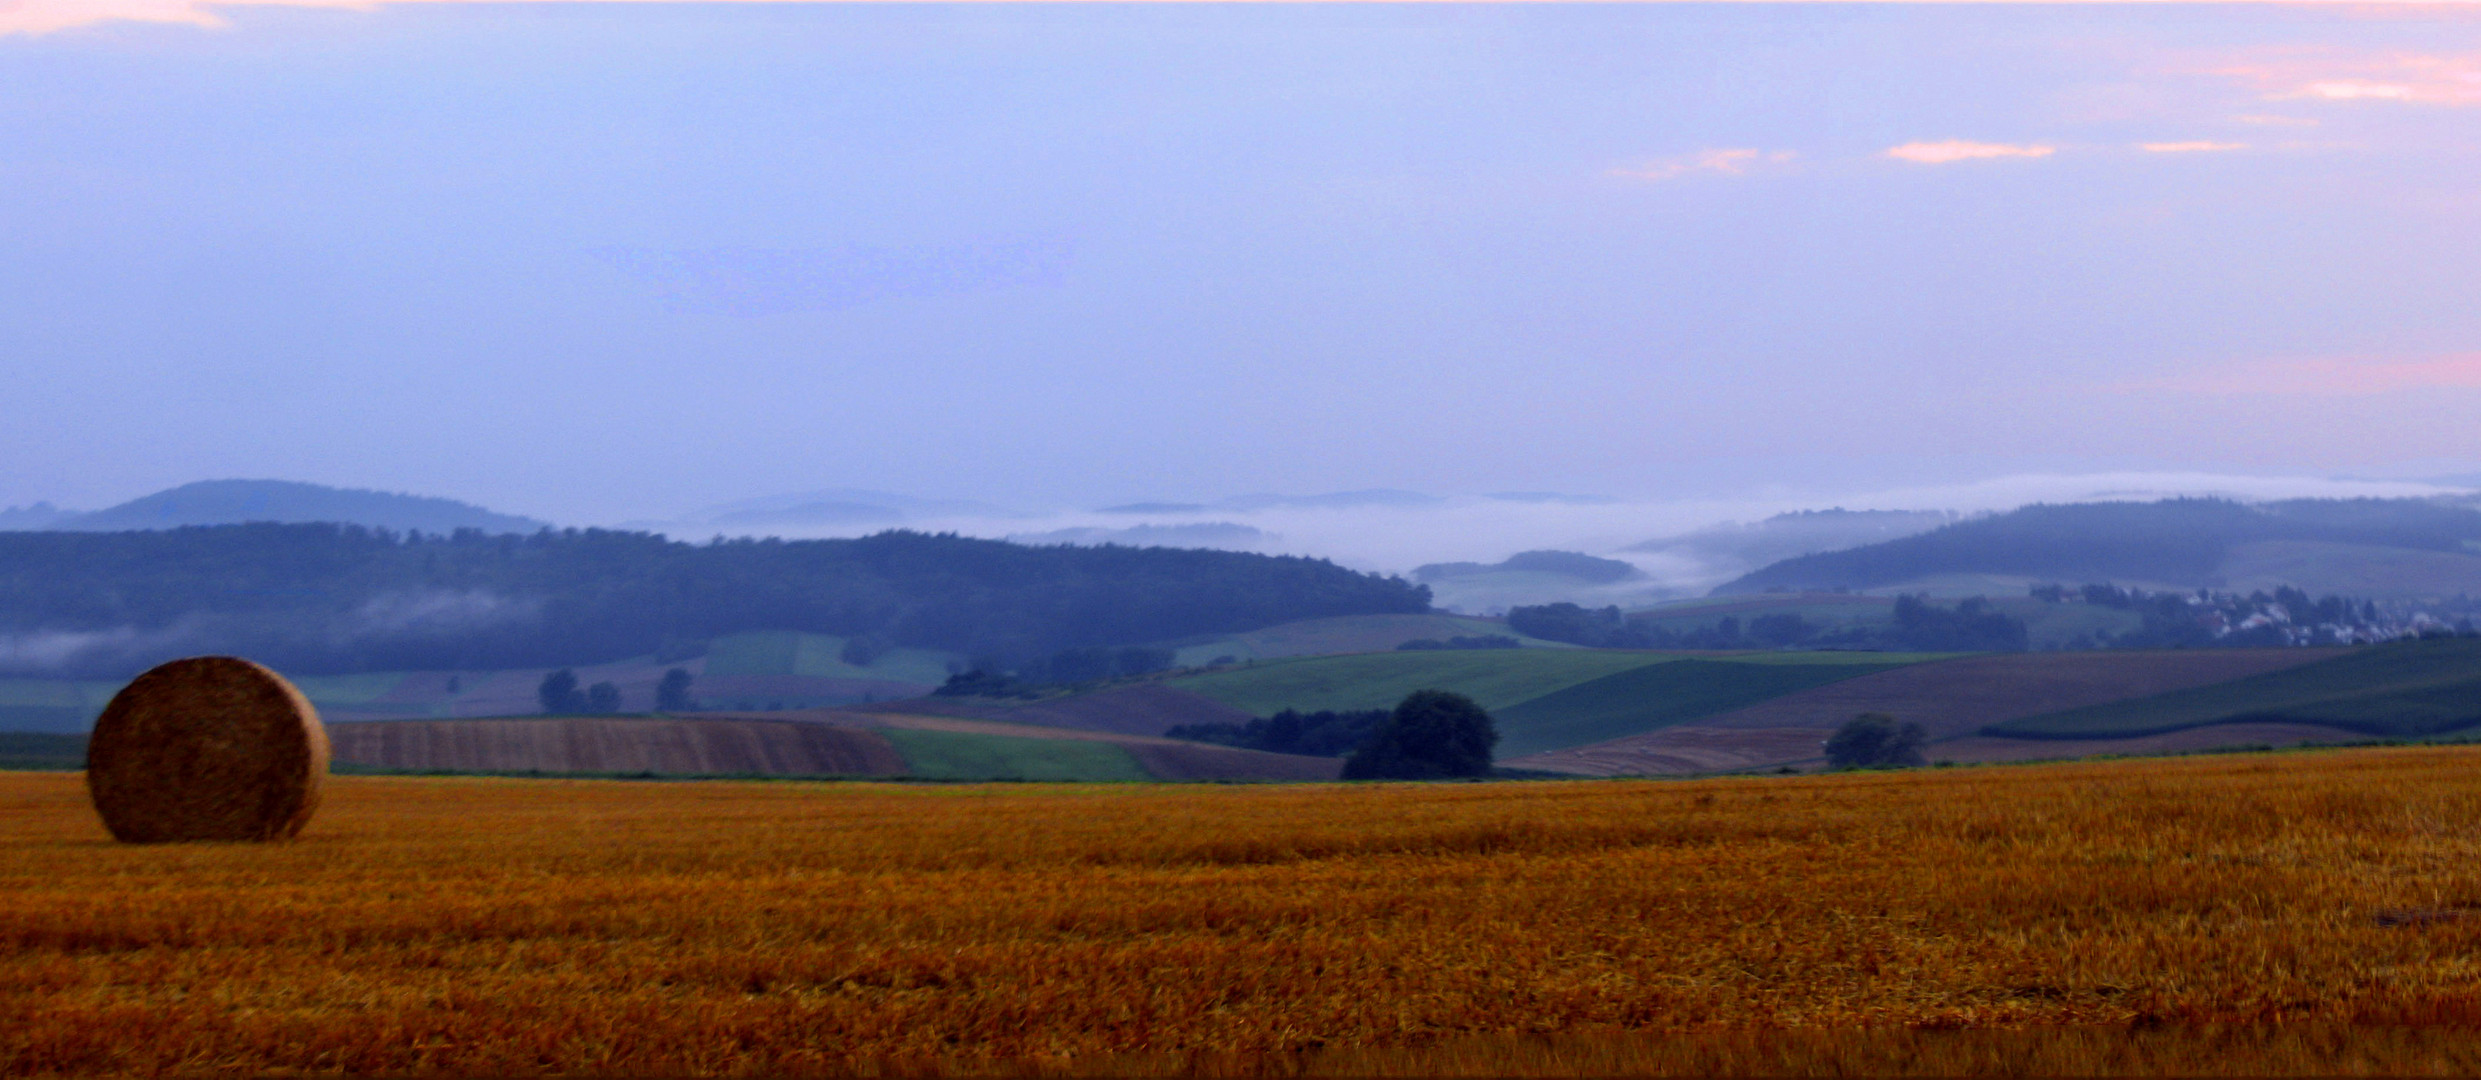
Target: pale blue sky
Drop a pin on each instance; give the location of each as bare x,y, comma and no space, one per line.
597,262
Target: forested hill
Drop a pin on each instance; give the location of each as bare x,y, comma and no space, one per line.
2180,541
329,598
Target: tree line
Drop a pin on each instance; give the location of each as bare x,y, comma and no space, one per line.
1972,625
338,598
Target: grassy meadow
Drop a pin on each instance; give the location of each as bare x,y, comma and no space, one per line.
2291,912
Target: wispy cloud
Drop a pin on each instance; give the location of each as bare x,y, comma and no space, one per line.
2273,120
46,16
2200,146
1731,162
2325,377
1954,150
2329,75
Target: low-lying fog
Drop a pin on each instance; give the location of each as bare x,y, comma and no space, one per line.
1679,547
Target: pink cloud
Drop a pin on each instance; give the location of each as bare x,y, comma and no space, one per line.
2330,75
2200,146
1733,162
1953,150
2326,377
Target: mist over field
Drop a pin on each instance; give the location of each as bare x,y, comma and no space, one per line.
1398,531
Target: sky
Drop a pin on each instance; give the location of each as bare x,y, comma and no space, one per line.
608,262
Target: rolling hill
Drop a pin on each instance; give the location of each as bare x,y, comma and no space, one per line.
234,502
2385,548
332,599
2404,689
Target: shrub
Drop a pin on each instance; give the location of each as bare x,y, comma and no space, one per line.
1876,741
1431,735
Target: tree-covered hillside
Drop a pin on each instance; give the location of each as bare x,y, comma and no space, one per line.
329,598
2180,541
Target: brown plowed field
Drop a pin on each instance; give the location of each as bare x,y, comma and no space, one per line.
1957,697
1144,709
617,745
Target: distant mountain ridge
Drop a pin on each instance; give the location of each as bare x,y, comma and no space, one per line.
2187,542
283,502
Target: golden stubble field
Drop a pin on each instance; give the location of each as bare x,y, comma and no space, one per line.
2240,913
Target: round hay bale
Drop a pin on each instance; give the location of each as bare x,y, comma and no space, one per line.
208,748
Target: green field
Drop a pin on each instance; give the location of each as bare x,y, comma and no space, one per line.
1657,696
1345,634
1543,699
55,705
786,652
348,689
1496,678
2404,689
20,750
950,755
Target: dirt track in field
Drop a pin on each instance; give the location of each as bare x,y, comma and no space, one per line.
617,745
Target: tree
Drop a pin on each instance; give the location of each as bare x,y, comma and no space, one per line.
862,650
603,697
672,694
559,693
1876,741
1431,735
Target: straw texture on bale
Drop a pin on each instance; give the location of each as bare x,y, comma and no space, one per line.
207,748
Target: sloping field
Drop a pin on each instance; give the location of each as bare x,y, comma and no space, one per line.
1142,709
2405,689
1822,608
2322,567
959,755
1347,634
1950,697
30,750
1497,678
1163,759
812,743
617,745
1960,696
820,656
1687,748
52,705
1655,696
2230,915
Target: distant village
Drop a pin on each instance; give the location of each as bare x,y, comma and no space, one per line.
2286,616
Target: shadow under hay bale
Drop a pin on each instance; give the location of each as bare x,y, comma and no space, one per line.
207,748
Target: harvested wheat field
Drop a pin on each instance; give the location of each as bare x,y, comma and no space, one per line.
2260,913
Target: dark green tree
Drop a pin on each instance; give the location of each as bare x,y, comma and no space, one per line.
1876,741
1431,735
559,694
603,697
862,650
672,694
